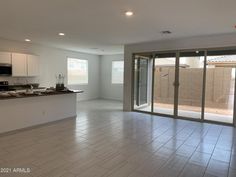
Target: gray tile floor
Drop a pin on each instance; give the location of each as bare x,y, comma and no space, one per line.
104,141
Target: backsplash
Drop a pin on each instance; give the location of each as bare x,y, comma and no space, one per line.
20,80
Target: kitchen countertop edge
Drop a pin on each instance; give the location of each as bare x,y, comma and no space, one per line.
43,95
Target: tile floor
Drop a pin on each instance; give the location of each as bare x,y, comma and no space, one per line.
104,141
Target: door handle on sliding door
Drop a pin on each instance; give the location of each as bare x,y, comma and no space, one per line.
176,84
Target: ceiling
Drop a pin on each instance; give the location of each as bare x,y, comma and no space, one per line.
100,26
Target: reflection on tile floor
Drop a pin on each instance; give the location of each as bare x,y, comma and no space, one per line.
193,114
104,141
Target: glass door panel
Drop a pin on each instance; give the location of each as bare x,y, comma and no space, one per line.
191,67
220,86
142,83
164,78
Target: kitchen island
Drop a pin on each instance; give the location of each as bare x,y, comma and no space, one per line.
30,110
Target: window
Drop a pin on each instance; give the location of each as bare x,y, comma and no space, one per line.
117,72
77,71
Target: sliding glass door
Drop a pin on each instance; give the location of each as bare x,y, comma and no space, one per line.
164,87
220,86
142,83
191,69
193,84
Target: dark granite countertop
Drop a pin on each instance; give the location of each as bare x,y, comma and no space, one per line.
40,94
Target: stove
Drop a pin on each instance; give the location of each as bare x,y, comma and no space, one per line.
4,86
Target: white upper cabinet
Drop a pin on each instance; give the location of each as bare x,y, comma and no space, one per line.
33,65
24,65
19,64
5,58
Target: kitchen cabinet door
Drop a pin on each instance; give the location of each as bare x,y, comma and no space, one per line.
33,65
5,58
19,64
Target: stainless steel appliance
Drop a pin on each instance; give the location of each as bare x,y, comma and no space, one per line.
5,69
4,86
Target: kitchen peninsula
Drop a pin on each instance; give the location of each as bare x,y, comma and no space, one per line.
27,110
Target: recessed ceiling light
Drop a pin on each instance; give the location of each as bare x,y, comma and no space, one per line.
61,34
129,13
27,40
166,32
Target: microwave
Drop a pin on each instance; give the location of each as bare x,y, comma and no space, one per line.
5,69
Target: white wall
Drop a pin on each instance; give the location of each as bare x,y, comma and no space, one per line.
54,61
214,41
109,90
